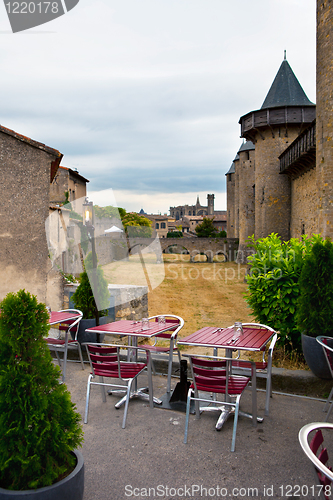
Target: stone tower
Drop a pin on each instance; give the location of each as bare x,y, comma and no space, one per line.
324,120
286,111
210,203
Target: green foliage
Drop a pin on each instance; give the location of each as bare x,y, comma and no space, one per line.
109,212
315,302
137,225
273,287
39,426
175,234
222,234
84,298
206,229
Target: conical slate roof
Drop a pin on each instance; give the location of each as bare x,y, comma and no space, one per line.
247,146
231,169
285,90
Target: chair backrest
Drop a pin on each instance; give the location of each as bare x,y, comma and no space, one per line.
316,452
266,327
170,319
209,375
328,351
104,360
72,326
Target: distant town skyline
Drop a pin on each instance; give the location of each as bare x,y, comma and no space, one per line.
144,97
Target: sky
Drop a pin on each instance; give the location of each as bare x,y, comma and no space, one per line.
143,97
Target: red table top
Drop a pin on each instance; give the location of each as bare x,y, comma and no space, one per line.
131,328
61,317
253,339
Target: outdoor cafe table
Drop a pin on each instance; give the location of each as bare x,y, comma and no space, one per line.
132,329
61,317
252,339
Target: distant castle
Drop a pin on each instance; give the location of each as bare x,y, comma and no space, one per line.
197,209
281,179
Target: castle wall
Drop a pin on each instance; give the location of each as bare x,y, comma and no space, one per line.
324,126
246,203
236,207
272,191
304,218
230,178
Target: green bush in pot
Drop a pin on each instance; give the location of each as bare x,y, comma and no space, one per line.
314,311
39,426
315,303
83,297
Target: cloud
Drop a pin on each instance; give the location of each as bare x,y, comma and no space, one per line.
145,96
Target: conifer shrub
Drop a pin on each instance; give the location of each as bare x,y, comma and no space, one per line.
84,297
315,301
39,425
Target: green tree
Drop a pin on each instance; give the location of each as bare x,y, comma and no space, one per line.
137,225
206,229
109,212
39,426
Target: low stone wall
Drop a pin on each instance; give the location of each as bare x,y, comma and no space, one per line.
126,301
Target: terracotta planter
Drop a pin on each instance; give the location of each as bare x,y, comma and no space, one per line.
315,357
69,488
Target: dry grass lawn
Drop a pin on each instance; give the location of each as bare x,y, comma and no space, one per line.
202,293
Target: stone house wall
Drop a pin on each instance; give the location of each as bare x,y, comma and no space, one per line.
26,168
67,180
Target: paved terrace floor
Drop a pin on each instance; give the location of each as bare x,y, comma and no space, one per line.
149,453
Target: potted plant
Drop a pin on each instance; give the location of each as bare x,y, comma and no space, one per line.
85,300
315,304
39,426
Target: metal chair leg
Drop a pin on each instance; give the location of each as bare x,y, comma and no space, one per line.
87,400
233,440
328,400
128,395
188,405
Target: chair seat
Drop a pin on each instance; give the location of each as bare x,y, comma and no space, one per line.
260,365
53,341
236,385
127,370
156,348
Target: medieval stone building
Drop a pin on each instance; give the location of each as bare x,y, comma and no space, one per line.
281,179
197,209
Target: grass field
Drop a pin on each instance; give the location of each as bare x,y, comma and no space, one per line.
202,293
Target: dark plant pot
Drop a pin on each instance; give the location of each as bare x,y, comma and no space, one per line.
69,488
84,336
315,357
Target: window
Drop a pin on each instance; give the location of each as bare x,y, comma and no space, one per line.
162,225
157,226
